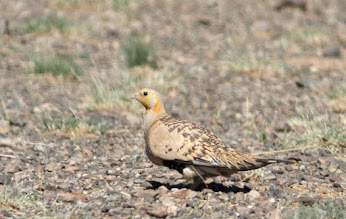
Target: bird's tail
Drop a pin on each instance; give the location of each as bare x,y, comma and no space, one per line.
258,162
266,161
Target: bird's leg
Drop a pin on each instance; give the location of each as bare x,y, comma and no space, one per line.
198,180
197,183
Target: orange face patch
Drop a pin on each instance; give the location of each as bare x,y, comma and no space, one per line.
157,107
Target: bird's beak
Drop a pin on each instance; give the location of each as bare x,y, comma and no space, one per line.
134,97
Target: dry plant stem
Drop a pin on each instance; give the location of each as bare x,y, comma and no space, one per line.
4,108
5,155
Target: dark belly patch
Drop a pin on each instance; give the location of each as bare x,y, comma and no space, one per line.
174,165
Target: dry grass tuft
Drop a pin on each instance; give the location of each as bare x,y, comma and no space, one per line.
113,91
320,131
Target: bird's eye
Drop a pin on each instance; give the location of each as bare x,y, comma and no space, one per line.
145,93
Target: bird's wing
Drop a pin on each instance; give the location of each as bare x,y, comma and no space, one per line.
171,139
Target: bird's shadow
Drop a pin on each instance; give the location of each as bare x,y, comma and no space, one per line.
216,187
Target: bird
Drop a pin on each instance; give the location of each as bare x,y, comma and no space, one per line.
189,148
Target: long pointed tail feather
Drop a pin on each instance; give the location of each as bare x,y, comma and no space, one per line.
267,161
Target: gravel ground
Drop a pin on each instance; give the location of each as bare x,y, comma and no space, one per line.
265,80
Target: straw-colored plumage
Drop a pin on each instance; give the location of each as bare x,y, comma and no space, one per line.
189,148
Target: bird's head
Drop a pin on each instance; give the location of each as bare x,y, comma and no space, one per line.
151,100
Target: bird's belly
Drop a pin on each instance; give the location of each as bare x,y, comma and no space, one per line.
152,158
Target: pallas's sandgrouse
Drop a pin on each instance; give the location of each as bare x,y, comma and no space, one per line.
189,148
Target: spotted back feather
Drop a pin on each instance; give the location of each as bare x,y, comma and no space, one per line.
182,141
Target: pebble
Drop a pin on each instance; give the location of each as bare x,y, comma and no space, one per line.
111,172
172,210
12,167
253,195
111,198
343,177
270,176
50,187
336,185
128,205
4,179
307,199
64,186
158,211
17,122
5,213
302,84
40,147
107,208
283,127
302,167
332,52
72,197
277,170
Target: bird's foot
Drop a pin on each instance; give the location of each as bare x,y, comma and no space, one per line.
198,184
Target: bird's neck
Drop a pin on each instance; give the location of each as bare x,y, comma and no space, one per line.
153,114
157,109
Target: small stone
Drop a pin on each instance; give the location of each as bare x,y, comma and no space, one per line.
274,191
332,52
307,199
302,167
302,84
72,197
12,167
128,205
64,185
283,127
107,208
72,169
40,147
52,167
332,167
275,214
112,198
5,213
181,194
111,172
300,4
4,179
174,189
281,181
324,173
51,187
336,185
270,176
236,214
206,191
113,33
6,142
192,194
158,211
343,177
163,188
141,193
205,20
243,210
19,176
277,170
333,178
253,195
239,196
17,122
172,210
